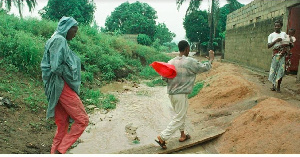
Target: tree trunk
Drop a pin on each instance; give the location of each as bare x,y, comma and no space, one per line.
20,8
222,48
210,45
198,49
298,73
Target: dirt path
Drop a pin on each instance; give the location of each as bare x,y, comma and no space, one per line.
230,91
146,108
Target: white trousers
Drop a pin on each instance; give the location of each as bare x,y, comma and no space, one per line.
180,105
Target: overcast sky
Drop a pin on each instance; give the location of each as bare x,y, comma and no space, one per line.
166,12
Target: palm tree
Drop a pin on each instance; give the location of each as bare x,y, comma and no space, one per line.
193,6
19,4
213,11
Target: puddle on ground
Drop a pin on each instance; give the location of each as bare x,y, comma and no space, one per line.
118,87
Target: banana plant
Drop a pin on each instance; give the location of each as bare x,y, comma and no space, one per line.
19,4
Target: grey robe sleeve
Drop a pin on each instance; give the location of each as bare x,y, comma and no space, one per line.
57,56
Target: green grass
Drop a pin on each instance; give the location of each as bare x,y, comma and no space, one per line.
95,97
156,82
196,89
23,89
109,102
103,56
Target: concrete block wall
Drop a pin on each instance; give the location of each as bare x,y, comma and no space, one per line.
247,31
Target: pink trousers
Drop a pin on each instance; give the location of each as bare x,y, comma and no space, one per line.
69,105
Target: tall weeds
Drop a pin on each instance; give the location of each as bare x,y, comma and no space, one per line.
103,57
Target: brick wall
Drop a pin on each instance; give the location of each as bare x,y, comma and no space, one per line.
247,31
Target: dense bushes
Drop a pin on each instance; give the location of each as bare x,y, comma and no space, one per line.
108,57
19,47
144,39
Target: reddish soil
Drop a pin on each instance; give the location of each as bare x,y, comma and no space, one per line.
224,86
272,126
256,119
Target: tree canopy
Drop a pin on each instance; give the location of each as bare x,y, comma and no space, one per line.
134,18
224,11
137,18
81,10
196,26
163,34
209,27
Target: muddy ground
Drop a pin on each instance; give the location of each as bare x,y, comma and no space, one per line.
235,98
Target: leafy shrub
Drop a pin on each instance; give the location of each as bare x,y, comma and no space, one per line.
158,57
144,39
122,46
87,76
156,44
166,47
196,89
90,96
109,101
24,51
43,28
148,73
172,46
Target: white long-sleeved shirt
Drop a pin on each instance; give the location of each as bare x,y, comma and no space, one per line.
186,68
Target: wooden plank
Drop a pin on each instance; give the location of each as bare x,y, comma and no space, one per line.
210,148
173,144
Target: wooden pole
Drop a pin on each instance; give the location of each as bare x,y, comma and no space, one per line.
298,73
210,45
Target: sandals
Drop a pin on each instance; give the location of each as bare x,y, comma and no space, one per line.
162,144
273,89
187,136
276,89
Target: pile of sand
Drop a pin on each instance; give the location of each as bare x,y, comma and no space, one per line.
272,126
224,86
